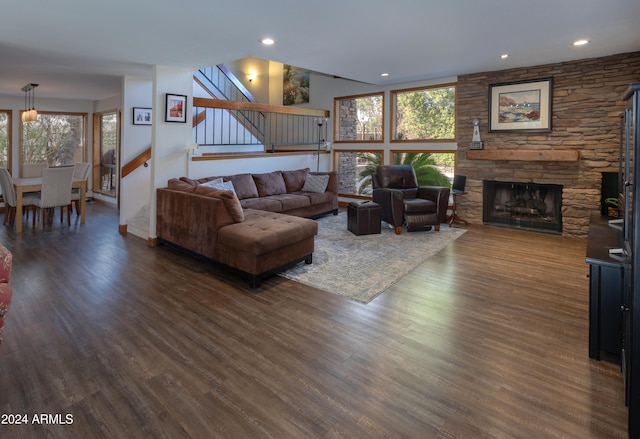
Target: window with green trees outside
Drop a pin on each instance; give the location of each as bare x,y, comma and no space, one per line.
55,138
424,114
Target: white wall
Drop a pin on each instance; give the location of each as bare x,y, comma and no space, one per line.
169,140
135,187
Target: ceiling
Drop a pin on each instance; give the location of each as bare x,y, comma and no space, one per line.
80,50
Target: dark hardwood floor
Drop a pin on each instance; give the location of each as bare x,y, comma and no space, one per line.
487,339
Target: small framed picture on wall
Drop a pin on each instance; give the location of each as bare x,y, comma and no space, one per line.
176,108
142,116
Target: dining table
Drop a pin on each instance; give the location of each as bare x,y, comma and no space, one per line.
34,184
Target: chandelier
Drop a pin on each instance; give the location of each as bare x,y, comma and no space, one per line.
29,114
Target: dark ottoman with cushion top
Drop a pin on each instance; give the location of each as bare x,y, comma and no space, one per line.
363,218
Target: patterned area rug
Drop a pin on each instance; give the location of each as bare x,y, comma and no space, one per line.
361,267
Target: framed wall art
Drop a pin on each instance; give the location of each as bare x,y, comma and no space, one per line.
176,108
142,116
521,106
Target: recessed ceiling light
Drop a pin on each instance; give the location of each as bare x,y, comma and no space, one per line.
504,56
580,42
268,41
384,74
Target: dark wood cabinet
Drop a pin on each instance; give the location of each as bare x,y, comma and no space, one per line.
606,284
630,144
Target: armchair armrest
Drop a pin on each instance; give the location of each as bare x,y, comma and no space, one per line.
438,194
391,202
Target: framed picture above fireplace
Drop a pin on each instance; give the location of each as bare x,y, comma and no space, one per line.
521,106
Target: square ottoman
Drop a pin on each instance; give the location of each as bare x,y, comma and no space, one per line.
363,218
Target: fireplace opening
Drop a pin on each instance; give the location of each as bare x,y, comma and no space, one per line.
527,206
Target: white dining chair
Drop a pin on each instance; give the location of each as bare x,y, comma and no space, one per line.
80,172
31,170
10,199
56,191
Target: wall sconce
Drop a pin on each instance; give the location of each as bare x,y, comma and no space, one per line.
29,115
475,139
251,76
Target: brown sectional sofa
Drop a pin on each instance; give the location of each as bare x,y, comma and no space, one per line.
259,230
281,191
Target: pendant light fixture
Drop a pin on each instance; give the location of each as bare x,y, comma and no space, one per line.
29,114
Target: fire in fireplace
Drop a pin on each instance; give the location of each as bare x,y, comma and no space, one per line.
527,206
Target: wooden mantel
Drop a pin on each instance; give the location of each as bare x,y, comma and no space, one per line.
531,155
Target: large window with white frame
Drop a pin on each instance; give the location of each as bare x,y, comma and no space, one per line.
54,138
359,118
424,114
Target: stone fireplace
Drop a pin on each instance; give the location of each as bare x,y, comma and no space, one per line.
576,154
526,206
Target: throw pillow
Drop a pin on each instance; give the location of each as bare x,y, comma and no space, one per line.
213,183
224,186
316,183
230,201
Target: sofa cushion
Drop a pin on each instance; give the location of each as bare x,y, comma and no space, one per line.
270,183
191,181
317,198
229,199
269,204
244,185
413,205
180,185
315,183
294,180
264,232
291,201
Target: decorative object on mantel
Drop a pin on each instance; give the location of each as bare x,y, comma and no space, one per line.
529,155
142,116
476,143
521,106
362,267
176,108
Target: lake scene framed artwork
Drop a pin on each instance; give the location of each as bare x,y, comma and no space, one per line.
521,106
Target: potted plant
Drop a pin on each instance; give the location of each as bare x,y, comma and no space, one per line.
612,208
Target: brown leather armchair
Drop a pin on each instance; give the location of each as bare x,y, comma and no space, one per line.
403,202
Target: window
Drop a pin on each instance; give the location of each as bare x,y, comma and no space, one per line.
355,169
424,114
55,138
359,118
105,134
5,138
433,168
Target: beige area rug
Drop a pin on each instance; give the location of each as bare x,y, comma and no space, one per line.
362,267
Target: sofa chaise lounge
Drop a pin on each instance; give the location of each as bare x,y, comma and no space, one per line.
256,225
